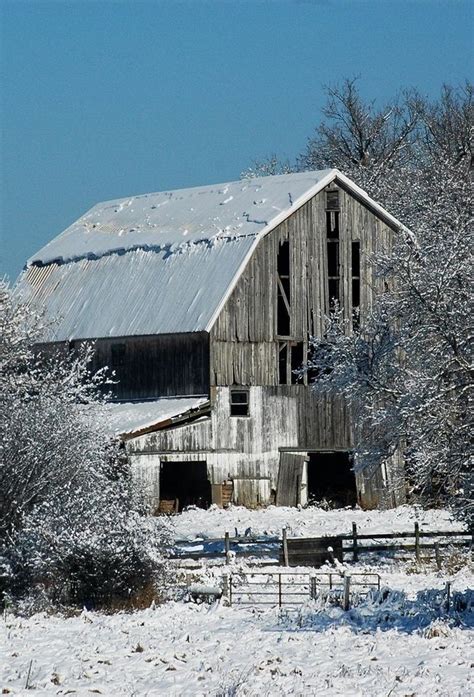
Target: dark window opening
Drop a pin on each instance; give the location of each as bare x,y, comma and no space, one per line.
332,200
333,290
332,225
297,358
291,357
283,290
118,355
283,263
239,402
283,316
355,284
285,282
333,259
186,482
282,364
356,259
331,478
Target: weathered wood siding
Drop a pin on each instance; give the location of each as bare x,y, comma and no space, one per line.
246,449
156,366
244,341
244,350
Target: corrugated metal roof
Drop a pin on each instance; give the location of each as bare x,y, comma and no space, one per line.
137,293
129,417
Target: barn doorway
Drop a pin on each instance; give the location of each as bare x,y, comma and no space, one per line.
331,478
186,483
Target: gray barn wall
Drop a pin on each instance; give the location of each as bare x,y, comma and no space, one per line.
244,351
158,366
244,343
247,449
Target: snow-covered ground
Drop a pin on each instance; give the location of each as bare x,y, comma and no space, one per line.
187,649
403,643
308,522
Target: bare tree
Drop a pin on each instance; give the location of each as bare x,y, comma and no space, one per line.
359,138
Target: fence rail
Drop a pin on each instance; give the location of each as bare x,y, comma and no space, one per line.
274,549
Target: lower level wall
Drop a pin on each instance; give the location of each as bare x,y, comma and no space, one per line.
247,449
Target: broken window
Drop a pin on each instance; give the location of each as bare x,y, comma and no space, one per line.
283,363
332,235
239,402
291,356
297,359
283,289
355,272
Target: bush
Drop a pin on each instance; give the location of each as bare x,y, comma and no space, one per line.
94,551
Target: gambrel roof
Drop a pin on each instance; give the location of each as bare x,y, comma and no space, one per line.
164,263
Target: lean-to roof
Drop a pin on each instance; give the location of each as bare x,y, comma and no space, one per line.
130,418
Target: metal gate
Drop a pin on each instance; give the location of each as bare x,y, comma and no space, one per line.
277,589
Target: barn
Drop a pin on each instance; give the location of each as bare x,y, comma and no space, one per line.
203,301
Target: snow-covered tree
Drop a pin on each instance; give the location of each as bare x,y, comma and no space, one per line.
52,436
71,516
266,167
407,370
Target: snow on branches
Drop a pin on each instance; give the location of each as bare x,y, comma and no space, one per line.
71,516
407,370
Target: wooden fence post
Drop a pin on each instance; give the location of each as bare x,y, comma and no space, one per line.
448,595
225,586
227,548
347,591
279,591
230,590
355,552
437,556
312,587
285,547
417,542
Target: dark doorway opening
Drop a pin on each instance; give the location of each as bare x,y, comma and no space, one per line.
331,478
185,482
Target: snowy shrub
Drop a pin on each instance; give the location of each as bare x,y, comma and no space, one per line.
387,609
73,528
92,550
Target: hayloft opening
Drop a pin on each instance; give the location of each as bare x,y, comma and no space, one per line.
332,234
186,484
283,289
331,478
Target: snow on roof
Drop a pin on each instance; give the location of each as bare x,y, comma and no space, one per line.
129,417
165,262
170,219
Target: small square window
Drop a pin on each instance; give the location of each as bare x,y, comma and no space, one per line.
332,200
239,402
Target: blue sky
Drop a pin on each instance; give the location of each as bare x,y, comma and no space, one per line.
103,99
